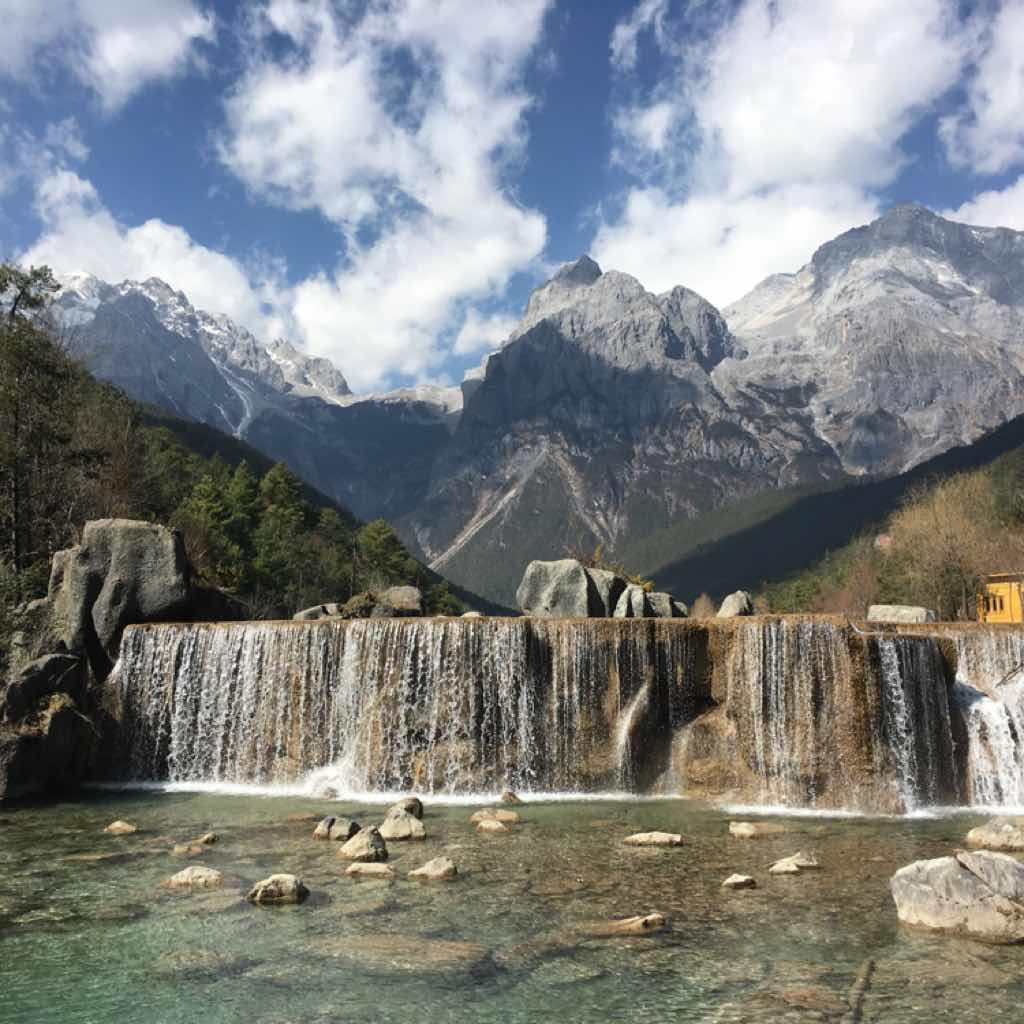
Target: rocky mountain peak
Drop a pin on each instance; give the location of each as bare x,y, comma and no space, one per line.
569,281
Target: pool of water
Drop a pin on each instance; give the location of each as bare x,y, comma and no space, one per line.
87,932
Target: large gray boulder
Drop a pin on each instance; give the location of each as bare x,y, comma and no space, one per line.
608,586
903,613
634,604
998,834
665,606
559,590
399,602
978,895
736,604
123,573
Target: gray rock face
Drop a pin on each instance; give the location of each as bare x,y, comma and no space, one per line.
123,573
998,834
50,753
399,602
609,588
665,606
736,604
975,895
558,590
634,604
905,613
50,674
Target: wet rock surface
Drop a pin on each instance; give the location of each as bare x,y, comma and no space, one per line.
998,834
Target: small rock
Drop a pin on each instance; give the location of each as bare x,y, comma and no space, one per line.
278,889
196,877
647,924
323,828
998,834
739,882
342,830
508,797
188,850
491,826
366,846
654,839
755,829
401,825
121,828
410,804
794,864
440,869
370,870
207,839
494,814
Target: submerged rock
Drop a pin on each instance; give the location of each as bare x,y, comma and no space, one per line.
196,877
494,814
654,839
278,889
491,826
400,825
410,804
366,845
736,604
406,953
188,850
440,869
121,828
978,895
795,864
370,870
755,829
998,834
740,882
647,924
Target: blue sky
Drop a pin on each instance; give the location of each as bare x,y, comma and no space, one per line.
383,182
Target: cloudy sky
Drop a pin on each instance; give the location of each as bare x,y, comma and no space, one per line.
384,181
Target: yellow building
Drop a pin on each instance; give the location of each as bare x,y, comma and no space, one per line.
1001,600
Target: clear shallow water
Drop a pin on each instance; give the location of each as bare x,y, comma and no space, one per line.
88,935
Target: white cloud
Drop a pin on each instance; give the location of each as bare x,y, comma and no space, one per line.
398,124
1002,208
648,15
113,46
26,155
774,133
988,137
79,233
482,333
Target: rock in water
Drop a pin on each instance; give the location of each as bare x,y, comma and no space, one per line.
558,590
978,895
739,882
278,889
400,825
440,869
365,870
654,839
998,834
508,797
736,604
366,845
494,814
904,613
343,829
323,829
196,877
492,826
121,828
410,804
795,864
755,829
647,924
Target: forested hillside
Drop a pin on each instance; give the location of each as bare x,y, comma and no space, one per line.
74,449
934,550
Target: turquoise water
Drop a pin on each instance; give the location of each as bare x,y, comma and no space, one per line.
87,934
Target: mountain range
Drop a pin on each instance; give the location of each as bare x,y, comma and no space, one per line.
649,423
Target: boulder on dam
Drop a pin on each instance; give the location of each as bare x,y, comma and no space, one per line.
902,613
736,604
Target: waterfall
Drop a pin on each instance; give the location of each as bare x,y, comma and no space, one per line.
989,695
374,705
917,728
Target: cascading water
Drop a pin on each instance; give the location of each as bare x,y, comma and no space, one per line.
989,695
917,729
439,706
